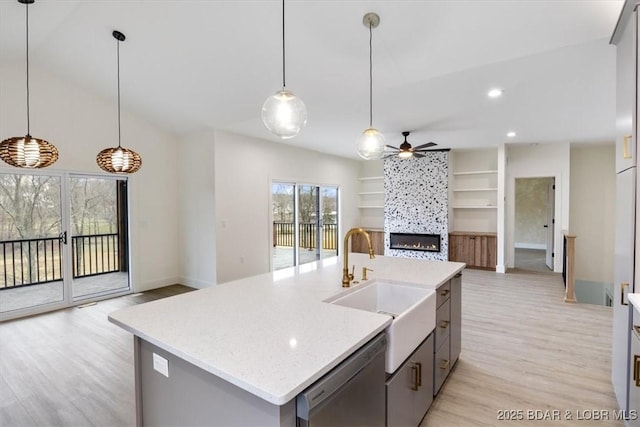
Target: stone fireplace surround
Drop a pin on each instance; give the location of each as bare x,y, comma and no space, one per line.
416,201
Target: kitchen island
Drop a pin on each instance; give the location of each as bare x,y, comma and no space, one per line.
254,344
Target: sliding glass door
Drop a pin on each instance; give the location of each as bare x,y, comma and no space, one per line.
98,232
63,239
31,242
305,223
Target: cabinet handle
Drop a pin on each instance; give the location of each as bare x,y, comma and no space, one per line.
446,292
445,365
622,286
419,374
444,324
415,375
636,369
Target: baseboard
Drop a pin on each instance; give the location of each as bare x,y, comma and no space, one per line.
195,283
530,246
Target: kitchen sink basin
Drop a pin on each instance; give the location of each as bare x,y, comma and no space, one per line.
412,308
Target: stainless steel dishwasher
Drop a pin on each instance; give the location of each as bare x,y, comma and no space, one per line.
352,394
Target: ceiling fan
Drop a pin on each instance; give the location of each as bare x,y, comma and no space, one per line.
406,150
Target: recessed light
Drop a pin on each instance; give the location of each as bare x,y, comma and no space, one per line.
495,93
511,134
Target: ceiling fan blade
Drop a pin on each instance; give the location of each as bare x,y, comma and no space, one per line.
418,155
427,145
392,147
389,155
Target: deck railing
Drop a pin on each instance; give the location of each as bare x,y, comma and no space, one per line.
35,261
283,235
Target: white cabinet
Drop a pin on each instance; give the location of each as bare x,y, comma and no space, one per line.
625,38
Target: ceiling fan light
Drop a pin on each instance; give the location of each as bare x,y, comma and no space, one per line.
371,144
405,154
28,152
284,114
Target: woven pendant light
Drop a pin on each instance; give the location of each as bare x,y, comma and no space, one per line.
119,159
27,151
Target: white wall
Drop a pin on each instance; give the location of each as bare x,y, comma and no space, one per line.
81,124
196,204
593,200
244,169
538,160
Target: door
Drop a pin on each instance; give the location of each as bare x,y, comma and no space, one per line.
32,251
550,225
98,235
305,223
63,239
623,281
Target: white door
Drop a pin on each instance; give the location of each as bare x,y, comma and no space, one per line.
550,226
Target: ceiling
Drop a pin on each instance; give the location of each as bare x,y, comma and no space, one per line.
193,65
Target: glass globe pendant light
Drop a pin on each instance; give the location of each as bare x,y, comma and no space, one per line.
27,151
371,143
118,159
283,113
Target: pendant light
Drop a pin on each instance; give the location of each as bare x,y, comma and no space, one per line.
371,143
283,113
118,159
27,151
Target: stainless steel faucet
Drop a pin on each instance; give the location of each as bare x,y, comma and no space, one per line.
346,276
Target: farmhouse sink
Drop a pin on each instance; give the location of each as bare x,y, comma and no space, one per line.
412,308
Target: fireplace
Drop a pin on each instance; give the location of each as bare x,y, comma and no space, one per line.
414,242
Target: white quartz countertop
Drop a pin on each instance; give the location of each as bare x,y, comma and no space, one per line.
634,299
272,335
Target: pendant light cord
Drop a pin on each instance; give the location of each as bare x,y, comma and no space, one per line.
28,120
283,50
118,56
370,77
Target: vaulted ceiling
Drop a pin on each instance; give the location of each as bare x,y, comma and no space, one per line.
193,65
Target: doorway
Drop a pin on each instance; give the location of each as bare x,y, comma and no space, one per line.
305,223
534,224
63,240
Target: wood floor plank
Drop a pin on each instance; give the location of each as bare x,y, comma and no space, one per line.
525,350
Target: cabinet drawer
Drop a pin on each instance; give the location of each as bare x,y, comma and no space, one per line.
443,293
443,323
441,367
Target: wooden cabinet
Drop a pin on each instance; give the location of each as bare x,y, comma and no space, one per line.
410,388
359,242
477,250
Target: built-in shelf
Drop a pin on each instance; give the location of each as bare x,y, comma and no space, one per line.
372,193
476,189
480,172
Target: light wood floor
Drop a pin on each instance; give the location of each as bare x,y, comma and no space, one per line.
522,349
